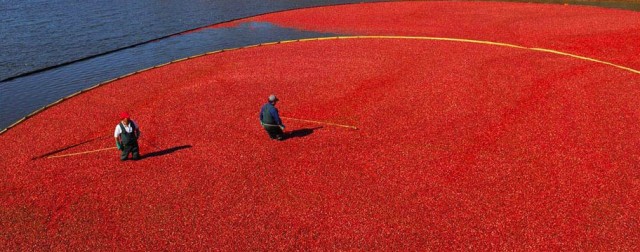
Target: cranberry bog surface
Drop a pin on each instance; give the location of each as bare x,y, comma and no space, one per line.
471,126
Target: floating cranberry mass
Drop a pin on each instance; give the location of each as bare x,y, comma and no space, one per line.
514,127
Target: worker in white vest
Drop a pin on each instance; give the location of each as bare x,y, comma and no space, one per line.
127,133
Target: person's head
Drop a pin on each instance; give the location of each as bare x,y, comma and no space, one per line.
124,117
273,99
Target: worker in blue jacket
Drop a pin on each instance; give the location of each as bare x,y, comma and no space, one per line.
270,119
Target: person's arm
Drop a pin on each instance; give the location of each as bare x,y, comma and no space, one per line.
116,135
118,144
136,129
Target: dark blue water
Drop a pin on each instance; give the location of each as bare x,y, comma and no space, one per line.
39,34
54,48
21,96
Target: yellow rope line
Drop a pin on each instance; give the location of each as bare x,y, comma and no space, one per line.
436,39
585,58
327,123
84,152
347,37
492,43
468,41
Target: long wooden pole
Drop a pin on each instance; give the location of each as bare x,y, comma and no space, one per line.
319,122
80,153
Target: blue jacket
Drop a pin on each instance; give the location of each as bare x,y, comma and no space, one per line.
269,115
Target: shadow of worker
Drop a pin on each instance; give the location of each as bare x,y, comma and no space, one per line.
165,152
300,133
